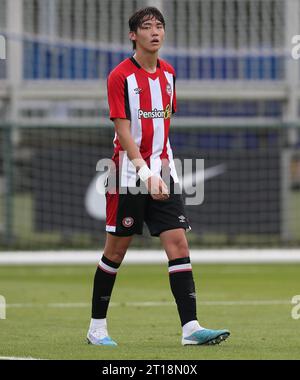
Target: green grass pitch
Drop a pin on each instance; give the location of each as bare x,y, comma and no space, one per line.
48,312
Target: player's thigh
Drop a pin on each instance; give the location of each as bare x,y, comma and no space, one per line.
175,243
116,247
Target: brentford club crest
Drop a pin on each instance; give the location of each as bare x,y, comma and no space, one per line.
128,221
169,89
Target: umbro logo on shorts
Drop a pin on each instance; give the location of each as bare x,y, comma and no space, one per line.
128,221
182,218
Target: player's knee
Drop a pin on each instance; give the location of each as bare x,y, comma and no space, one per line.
117,255
179,249
183,250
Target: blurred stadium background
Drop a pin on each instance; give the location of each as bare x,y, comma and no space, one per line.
238,107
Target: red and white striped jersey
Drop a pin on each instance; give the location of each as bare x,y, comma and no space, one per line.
147,100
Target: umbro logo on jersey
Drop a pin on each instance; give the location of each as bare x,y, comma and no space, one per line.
137,90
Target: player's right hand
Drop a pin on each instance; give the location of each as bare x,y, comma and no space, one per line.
157,188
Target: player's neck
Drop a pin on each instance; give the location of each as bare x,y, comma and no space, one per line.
148,61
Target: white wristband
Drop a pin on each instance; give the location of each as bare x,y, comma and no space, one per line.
144,173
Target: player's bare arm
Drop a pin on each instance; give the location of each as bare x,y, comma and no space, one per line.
155,185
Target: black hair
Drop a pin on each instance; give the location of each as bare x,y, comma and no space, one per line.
141,16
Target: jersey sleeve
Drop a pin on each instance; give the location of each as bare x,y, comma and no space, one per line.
174,102
118,101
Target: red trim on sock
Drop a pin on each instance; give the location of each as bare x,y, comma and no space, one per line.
180,270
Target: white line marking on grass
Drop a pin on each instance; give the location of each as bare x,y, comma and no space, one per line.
151,304
208,256
17,358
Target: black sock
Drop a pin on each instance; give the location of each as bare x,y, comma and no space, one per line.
104,280
183,288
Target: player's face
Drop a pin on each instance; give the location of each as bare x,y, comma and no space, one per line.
150,35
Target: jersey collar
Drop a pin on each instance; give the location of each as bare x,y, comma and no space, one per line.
151,75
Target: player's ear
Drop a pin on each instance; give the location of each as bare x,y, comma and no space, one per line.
132,36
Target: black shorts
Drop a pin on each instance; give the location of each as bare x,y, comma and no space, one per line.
126,213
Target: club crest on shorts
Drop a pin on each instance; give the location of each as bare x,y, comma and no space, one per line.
128,221
169,89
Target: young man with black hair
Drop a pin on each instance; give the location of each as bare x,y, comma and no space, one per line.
142,96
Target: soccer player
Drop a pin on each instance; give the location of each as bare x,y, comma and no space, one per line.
142,96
